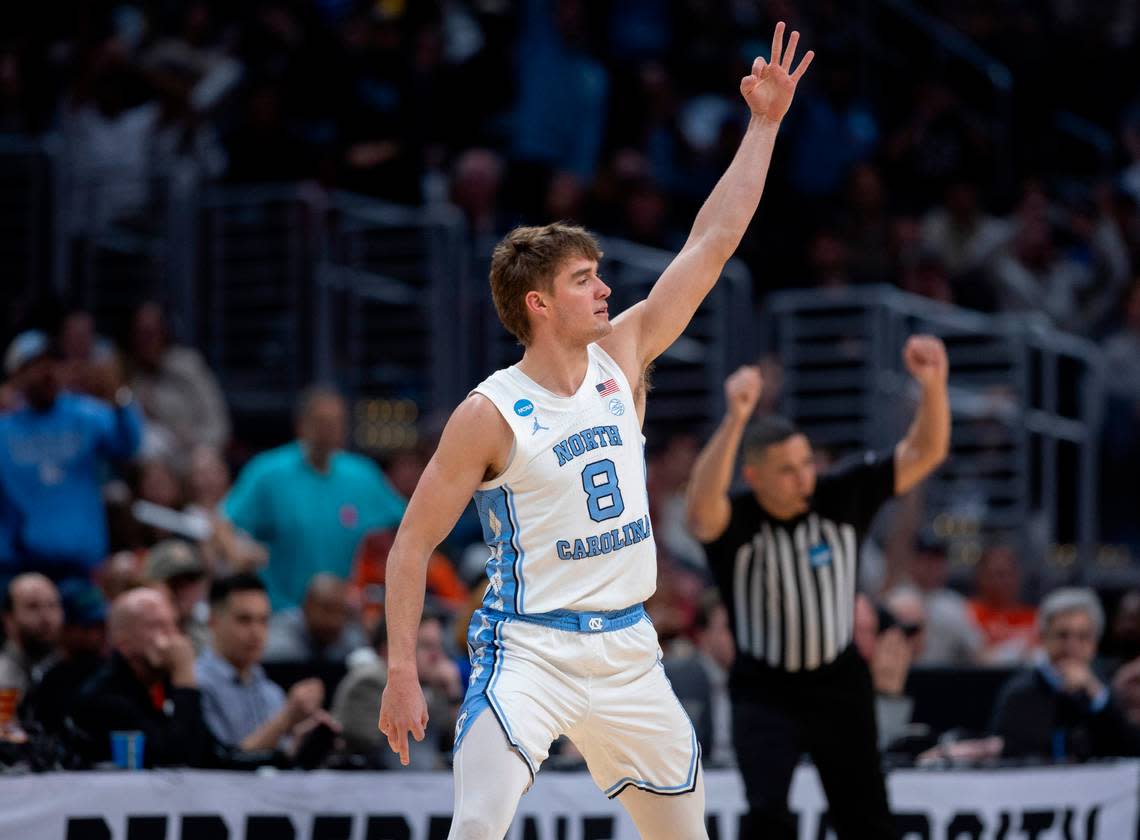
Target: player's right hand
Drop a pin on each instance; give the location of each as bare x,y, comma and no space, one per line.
742,391
403,710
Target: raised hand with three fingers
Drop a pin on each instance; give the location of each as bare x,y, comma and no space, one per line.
769,88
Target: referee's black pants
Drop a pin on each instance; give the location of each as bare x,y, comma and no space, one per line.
828,713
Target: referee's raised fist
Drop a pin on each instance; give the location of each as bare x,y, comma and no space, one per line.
925,359
742,391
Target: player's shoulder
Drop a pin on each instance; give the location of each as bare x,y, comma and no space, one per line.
478,420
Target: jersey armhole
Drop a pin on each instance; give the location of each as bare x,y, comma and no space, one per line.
512,457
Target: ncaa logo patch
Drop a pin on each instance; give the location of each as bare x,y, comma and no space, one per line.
617,407
523,408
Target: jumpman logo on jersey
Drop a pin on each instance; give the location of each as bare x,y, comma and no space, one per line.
538,427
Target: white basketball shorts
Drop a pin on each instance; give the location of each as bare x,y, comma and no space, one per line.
596,678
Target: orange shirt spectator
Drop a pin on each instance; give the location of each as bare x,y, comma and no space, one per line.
368,577
1008,627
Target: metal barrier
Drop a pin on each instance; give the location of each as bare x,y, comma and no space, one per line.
26,205
392,311
255,256
1026,401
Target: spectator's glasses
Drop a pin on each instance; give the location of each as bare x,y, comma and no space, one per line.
1075,635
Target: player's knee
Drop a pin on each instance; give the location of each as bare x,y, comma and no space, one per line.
473,828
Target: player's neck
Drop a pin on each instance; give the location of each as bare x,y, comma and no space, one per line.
558,369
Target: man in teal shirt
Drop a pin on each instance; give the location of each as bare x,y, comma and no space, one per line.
311,502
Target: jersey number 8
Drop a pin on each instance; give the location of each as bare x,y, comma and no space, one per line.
603,497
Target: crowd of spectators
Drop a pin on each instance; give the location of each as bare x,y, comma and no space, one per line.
241,624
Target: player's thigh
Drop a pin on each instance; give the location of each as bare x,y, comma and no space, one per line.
680,817
490,776
637,734
516,678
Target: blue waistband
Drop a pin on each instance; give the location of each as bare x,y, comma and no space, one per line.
576,622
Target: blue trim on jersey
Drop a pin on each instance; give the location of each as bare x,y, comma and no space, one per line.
572,621
485,647
503,562
496,672
515,543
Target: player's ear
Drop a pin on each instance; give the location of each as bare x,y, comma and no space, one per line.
535,302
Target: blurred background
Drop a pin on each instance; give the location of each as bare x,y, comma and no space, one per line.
222,205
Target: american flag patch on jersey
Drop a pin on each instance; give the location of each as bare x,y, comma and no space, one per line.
606,388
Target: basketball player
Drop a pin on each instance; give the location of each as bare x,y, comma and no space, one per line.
551,449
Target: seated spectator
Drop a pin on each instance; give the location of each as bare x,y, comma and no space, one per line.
906,608
242,706
1058,708
53,456
320,630
1008,627
1126,690
227,550
174,386
888,655
32,621
310,502
700,681
176,568
149,685
85,356
369,570
82,643
1122,643
951,636
122,571
356,704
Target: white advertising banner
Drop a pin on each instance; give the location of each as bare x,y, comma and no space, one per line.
1098,802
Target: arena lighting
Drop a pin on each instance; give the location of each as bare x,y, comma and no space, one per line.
385,425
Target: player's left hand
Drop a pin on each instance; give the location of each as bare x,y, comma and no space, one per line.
769,88
925,359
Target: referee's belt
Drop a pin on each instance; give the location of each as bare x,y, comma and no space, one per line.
575,622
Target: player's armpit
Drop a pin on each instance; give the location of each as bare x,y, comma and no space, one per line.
475,446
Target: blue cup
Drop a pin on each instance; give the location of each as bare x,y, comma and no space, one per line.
127,749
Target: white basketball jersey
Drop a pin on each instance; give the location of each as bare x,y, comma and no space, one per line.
567,523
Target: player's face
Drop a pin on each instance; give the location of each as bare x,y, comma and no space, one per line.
579,306
783,477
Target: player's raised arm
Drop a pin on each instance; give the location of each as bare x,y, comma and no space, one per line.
654,324
475,441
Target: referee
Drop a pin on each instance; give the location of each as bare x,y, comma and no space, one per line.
784,553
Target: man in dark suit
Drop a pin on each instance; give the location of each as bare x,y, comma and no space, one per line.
1059,709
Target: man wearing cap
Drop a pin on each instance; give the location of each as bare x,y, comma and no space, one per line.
176,567
53,455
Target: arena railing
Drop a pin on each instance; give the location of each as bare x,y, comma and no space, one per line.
26,202
393,309
1026,399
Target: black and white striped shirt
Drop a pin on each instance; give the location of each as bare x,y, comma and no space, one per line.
789,585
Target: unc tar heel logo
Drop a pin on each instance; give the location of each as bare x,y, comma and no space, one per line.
523,408
596,624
